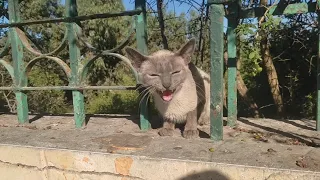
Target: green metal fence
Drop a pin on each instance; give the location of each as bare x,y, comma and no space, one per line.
77,70
234,13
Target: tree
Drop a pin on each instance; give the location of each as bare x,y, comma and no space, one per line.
269,67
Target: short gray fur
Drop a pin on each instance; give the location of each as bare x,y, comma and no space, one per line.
181,91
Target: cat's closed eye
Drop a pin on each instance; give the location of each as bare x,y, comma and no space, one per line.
175,72
154,75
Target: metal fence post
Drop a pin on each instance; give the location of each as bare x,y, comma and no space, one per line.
74,54
141,35
232,65
20,79
216,75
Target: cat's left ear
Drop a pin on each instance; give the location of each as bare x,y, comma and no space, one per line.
187,50
135,57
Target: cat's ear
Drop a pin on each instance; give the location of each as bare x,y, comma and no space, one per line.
135,57
187,50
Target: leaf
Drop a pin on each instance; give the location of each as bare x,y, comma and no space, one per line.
252,55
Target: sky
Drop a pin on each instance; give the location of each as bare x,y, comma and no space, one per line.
179,8
129,5
175,6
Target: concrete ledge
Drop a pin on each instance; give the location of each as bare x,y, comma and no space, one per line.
26,162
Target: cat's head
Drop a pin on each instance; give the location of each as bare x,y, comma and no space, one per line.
163,71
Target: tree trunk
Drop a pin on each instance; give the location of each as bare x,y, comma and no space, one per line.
243,91
161,24
270,69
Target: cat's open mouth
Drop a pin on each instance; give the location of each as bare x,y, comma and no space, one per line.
167,95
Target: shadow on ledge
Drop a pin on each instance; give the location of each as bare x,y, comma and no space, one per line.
205,175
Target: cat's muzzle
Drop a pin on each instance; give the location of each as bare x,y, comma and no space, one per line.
166,95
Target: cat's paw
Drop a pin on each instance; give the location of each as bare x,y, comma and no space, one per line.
190,134
166,132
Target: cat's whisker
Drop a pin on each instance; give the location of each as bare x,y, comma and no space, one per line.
144,96
202,92
201,86
147,95
144,91
140,86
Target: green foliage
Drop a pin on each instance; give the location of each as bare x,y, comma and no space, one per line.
122,102
309,105
46,101
249,51
271,24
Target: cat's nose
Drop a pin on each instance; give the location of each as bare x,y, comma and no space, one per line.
166,81
166,85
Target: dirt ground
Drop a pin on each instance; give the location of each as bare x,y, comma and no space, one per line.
289,144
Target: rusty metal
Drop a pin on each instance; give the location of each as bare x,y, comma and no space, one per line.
73,19
57,60
121,45
216,76
19,77
141,26
297,8
28,46
76,72
69,88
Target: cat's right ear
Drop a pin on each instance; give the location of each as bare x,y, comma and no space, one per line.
135,57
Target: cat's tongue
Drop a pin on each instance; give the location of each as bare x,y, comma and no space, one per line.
167,95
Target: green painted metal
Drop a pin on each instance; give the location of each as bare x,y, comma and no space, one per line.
20,79
297,8
28,46
74,54
77,71
141,34
8,67
86,65
232,65
124,43
318,77
216,51
57,60
73,18
82,87
84,69
220,1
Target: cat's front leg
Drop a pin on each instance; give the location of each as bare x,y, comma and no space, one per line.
190,129
167,129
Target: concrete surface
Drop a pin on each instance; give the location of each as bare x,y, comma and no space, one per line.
113,147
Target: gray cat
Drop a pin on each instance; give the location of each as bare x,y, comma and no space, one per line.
181,91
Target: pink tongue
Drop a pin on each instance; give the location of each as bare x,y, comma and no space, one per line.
167,95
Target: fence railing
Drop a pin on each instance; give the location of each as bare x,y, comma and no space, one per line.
77,71
234,13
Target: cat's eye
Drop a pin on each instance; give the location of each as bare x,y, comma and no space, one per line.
154,75
175,72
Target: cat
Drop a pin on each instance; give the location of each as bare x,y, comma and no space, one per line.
180,90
